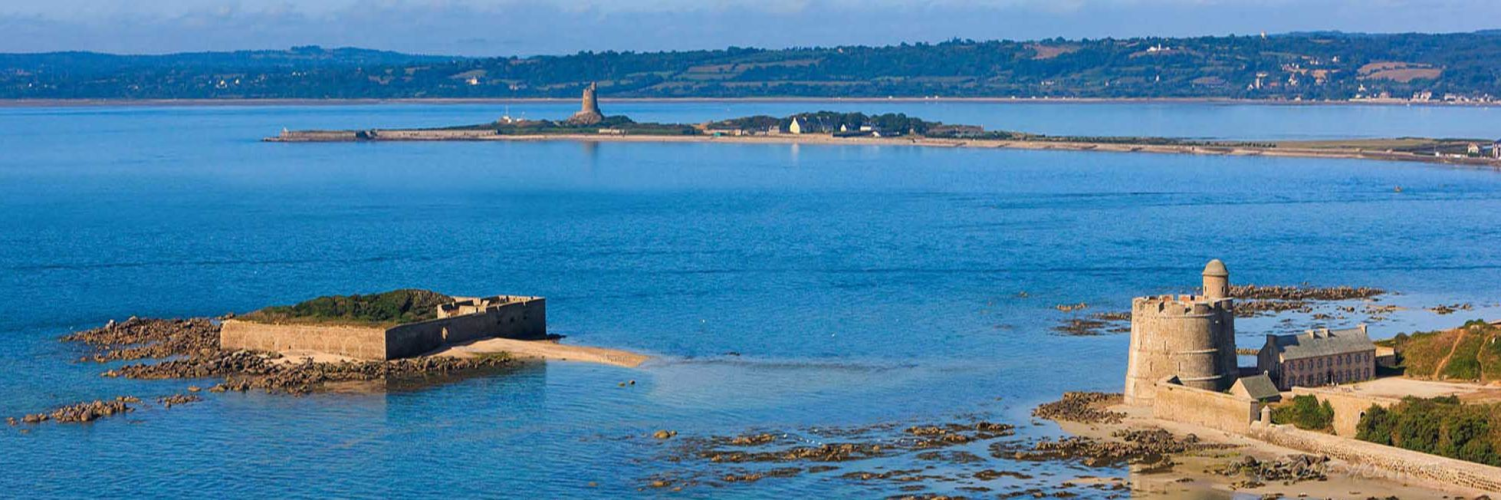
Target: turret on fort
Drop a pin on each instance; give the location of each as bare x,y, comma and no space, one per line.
589,112
1190,337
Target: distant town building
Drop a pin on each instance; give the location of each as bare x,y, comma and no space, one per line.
797,127
1318,357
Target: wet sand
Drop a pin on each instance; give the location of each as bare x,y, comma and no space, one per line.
545,349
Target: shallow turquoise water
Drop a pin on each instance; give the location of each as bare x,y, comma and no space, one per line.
858,284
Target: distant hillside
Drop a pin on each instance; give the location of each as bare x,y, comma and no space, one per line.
1322,65
1472,352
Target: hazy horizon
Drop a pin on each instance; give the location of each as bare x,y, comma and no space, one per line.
515,27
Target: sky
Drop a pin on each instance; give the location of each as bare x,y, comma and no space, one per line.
529,27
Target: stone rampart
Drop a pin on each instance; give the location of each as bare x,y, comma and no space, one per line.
525,319
1348,407
1215,410
1402,463
362,342
432,135
316,136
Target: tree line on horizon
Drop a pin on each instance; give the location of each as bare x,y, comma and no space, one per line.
1309,66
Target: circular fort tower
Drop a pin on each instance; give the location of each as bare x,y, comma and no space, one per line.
1191,337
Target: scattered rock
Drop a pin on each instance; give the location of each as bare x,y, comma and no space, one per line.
84,412
1083,407
177,399
1288,470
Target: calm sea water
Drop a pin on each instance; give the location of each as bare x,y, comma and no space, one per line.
857,284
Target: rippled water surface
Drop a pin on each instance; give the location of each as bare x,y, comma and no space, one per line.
857,284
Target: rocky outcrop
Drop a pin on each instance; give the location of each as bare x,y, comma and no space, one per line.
1082,407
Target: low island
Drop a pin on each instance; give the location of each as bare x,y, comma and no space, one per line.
835,128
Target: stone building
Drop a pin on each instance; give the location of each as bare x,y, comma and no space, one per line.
1258,387
1318,357
589,110
1190,338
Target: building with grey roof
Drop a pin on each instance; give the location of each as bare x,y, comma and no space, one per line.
1258,387
1318,357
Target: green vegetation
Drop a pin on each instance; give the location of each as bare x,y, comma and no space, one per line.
833,122
1305,412
388,308
1309,66
1440,426
1471,352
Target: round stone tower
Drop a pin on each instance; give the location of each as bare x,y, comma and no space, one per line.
1216,280
588,109
1187,336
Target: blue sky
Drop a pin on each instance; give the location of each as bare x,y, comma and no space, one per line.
525,27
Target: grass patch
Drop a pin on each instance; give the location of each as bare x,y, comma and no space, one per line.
1477,356
388,308
1465,364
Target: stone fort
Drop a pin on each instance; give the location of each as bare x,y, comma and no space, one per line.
1189,337
463,320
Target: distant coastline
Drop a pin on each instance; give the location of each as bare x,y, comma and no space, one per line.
62,103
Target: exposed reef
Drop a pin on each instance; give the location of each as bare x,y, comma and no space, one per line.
188,349
1251,301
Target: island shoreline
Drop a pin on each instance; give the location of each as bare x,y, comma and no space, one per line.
1207,149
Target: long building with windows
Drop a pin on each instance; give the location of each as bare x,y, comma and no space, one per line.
1318,358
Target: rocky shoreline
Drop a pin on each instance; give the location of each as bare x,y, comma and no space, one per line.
188,349
977,458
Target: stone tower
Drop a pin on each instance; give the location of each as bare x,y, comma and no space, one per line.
1216,280
1190,337
589,112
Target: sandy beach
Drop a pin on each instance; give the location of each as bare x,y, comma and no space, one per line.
549,350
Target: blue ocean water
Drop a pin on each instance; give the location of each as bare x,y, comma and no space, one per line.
857,284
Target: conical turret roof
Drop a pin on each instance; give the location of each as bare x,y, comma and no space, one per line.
1216,268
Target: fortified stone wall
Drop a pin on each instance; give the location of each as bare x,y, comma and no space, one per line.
1186,336
1215,410
524,319
1348,407
432,135
1403,463
353,341
317,135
